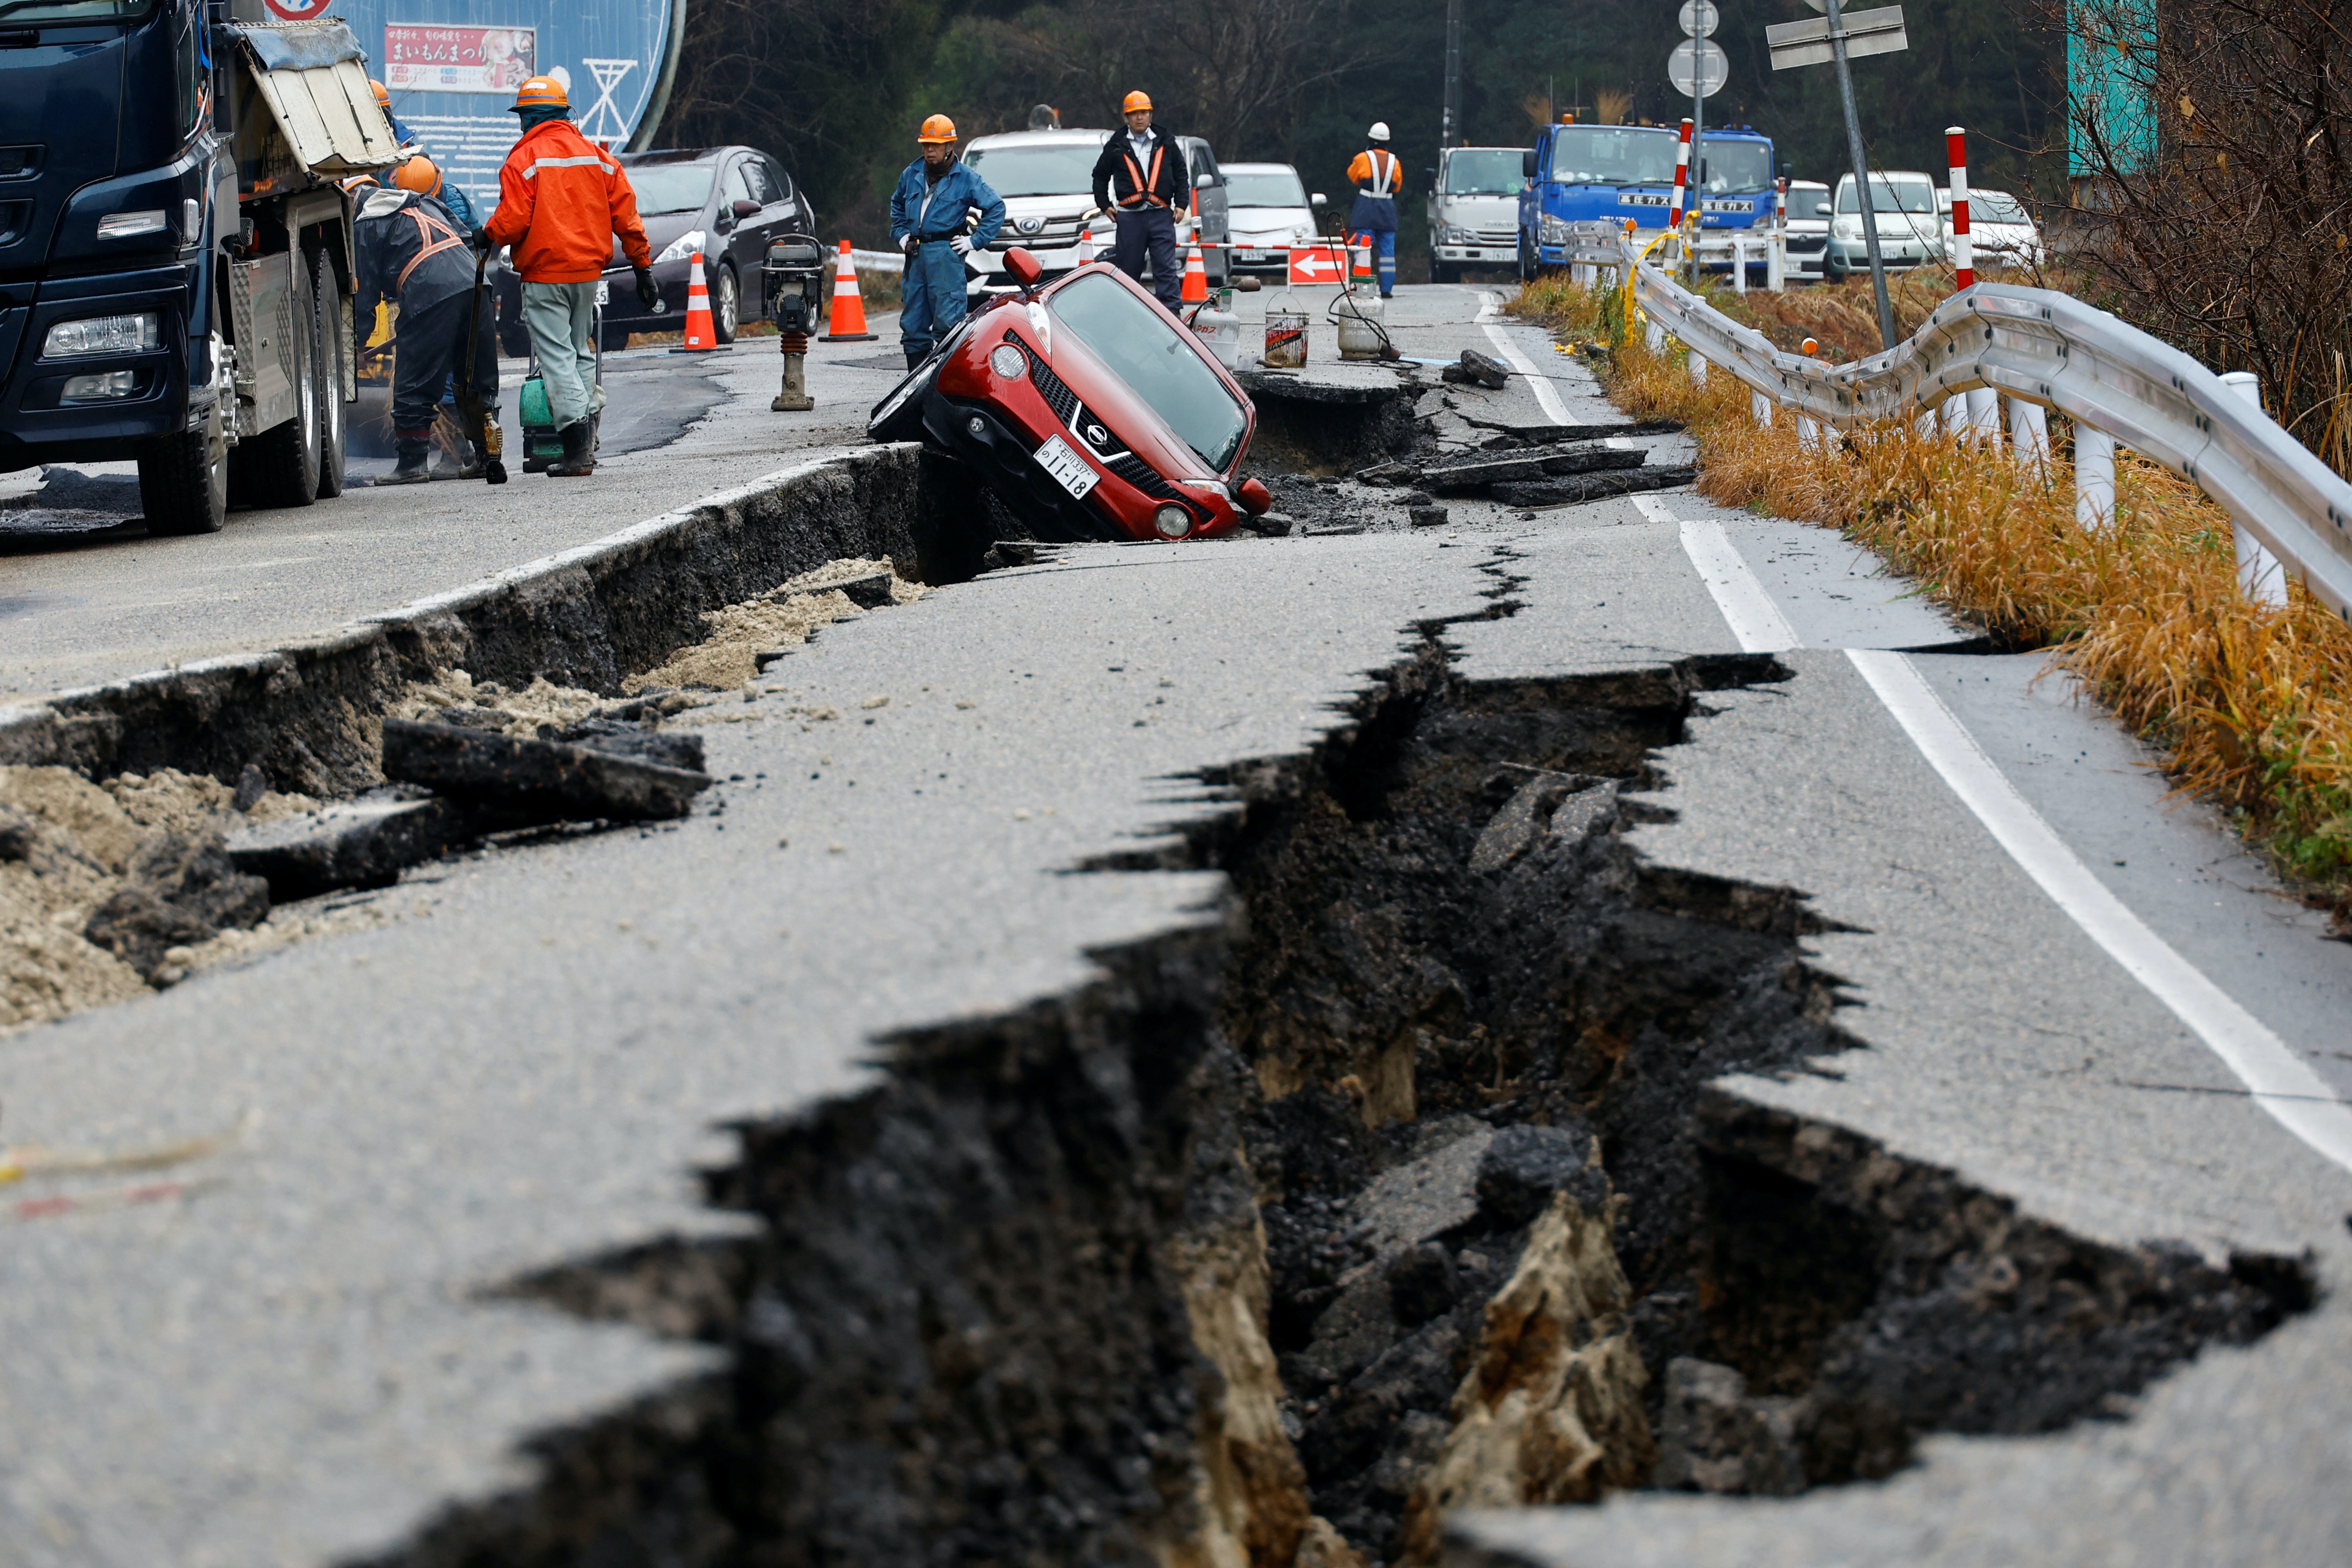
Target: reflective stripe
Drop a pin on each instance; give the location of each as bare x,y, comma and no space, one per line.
1144,187
426,226
1383,170
532,172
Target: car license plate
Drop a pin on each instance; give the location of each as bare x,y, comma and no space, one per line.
1253,255
1071,472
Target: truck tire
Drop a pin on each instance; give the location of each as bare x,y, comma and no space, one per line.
279,467
1526,260
330,339
184,480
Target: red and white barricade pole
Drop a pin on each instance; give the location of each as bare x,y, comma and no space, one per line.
1682,178
1956,146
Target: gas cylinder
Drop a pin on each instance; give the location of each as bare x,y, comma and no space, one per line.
1217,326
1360,321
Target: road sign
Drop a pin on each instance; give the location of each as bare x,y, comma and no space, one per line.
1794,44
1317,264
1698,67
1700,18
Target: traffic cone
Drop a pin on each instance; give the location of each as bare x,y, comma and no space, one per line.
1196,278
701,331
1086,246
1360,248
848,321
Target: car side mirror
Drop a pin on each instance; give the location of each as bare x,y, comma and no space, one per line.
1255,498
1527,165
1204,182
1319,200
1024,268
745,208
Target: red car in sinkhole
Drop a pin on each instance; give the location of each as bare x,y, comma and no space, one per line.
1088,410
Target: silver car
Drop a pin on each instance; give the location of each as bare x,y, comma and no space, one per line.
1910,234
1267,211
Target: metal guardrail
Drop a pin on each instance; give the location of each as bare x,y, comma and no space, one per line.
2051,349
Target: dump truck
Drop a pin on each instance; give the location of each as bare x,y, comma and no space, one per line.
175,252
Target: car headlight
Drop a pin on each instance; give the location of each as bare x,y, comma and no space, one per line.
680,248
1172,521
102,335
1008,362
1847,228
1554,230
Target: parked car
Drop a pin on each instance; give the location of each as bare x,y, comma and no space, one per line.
1046,178
1809,227
1267,211
2002,233
1086,409
1474,209
1910,232
726,202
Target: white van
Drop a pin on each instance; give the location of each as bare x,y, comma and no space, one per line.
1910,234
1473,210
1046,178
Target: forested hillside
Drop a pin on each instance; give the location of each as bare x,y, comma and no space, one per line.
837,86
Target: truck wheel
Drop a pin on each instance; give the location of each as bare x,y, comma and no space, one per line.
280,465
330,339
726,298
184,480
1527,261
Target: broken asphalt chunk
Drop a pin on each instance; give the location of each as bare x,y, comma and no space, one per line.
1462,478
181,889
544,780
363,842
1548,491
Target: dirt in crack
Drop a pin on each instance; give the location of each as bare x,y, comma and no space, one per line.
1403,1190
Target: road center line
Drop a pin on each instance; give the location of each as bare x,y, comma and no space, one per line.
1546,398
2280,1082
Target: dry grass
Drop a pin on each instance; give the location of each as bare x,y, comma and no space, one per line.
2251,704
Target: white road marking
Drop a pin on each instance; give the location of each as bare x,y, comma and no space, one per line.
1747,608
1546,398
2280,1082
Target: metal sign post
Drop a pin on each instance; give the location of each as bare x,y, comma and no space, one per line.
1698,67
1834,40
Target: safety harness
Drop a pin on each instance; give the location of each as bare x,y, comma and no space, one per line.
1383,172
427,227
1145,190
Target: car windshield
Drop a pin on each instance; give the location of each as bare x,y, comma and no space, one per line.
1485,172
1058,170
671,187
1735,168
1264,188
1995,206
1808,204
1888,196
1612,155
1139,346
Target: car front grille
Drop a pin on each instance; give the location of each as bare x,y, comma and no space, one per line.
1496,237
1139,474
1052,388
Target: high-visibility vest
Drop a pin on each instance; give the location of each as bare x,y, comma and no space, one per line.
433,237
1146,189
1384,166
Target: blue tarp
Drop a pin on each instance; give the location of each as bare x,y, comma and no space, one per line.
299,45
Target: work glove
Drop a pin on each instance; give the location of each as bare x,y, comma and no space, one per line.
911,245
648,292
961,245
482,240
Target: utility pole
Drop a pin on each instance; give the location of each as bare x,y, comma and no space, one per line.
1450,134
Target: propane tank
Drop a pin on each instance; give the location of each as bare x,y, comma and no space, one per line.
1217,326
1285,332
1362,332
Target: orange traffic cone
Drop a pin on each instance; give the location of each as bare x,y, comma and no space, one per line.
849,321
1196,278
701,331
1086,246
1362,246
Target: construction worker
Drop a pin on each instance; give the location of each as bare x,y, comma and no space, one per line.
1143,179
401,134
940,213
1376,175
561,199
412,252
450,196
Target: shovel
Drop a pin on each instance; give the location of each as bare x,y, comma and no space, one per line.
484,435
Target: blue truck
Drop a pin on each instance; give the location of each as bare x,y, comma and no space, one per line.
175,253
1586,174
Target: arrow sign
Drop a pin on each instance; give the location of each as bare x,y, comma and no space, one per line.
1807,43
1316,264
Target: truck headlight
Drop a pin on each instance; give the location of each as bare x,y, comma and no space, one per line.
1554,230
125,225
102,335
680,248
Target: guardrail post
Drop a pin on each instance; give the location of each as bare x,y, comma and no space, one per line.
1984,415
1808,435
1697,368
2029,431
2094,476
1953,412
1775,261
1654,336
1759,408
1740,264
2260,575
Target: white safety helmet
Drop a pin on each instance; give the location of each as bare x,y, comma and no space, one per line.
1379,131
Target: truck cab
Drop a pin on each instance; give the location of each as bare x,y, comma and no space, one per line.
1586,174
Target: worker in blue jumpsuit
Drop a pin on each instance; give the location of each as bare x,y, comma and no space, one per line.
1374,173
930,215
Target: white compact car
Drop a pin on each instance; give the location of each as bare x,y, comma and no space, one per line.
1267,211
1473,210
1046,178
1809,228
1910,234
2002,233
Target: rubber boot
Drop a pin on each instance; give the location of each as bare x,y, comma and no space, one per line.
415,460
916,357
579,458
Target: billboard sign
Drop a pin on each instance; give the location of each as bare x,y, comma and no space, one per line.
452,67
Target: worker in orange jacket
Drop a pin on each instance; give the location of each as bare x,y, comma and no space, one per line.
561,199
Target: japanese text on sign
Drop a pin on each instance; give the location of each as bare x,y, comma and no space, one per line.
457,60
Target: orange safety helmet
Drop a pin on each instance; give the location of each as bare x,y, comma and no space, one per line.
938,128
382,94
418,174
540,92
1133,101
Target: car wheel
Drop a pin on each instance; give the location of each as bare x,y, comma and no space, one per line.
725,300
